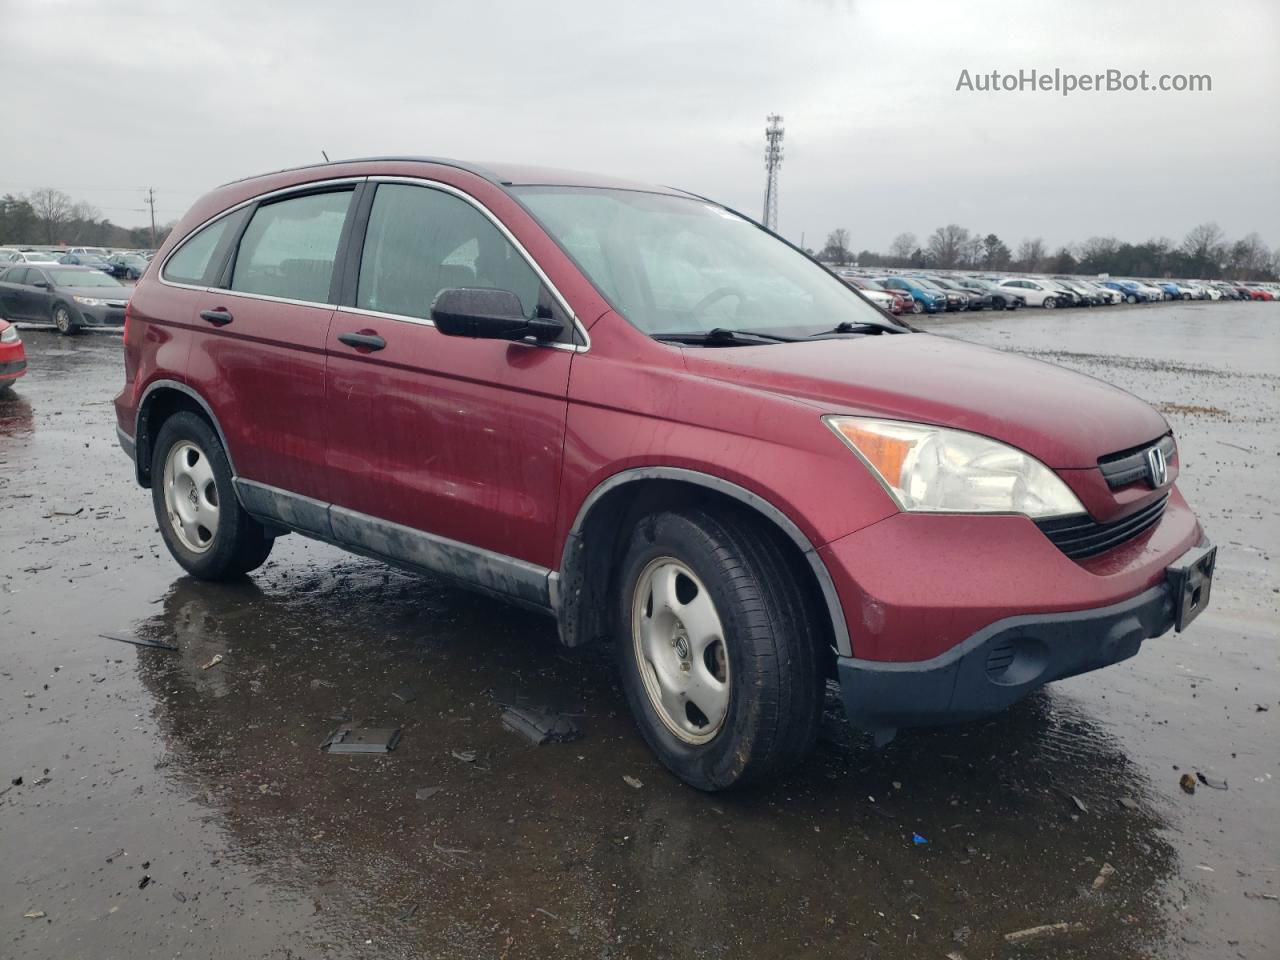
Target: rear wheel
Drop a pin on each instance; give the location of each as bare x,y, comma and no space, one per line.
1050,303
917,306
1132,298
718,651
64,321
202,522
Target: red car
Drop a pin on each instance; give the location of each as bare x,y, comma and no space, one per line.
642,413
1258,293
901,303
13,359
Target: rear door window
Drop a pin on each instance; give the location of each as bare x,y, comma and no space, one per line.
289,247
421,241
193,260
16,275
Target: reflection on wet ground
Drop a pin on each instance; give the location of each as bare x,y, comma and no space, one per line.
206,778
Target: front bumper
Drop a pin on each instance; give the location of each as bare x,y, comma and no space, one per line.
101,316
1011,658
12,370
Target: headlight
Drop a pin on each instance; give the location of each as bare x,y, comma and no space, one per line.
89,301
10,335
931,469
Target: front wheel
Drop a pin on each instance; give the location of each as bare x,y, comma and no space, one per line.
64,321
917,306
202,522
1050,303
718,649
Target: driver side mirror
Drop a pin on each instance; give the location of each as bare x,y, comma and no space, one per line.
42,284
488,315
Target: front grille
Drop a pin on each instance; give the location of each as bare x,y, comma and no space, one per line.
1127,466
1083,536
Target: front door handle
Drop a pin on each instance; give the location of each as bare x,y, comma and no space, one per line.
219,317
369,341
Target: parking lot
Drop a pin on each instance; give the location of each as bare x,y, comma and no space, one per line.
171,803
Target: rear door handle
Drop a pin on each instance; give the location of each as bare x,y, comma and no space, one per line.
219,318
370,341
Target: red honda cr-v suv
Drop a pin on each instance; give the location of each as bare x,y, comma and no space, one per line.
641,412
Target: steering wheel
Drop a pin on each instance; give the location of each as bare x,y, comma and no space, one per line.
716,295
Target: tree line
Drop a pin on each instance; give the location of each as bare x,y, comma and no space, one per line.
50,217
1205,253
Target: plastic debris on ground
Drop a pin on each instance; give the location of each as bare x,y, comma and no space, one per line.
217,659
139,641
632,782
918,840
1047,930
1103,876
540,726
349,739
405,694
1211,782
1187,782
426,793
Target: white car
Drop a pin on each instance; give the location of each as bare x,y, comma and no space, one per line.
1113,296
1154,293
31,256
102,252
1036,293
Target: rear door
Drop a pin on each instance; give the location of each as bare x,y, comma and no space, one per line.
258,354
455,436
11,292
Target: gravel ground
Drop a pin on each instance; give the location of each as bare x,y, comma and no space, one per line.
168,807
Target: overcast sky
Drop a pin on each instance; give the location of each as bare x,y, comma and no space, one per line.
103,99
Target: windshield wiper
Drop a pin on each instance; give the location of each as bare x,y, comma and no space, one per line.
722,335
846,327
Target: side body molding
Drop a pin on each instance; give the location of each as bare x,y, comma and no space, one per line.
570,563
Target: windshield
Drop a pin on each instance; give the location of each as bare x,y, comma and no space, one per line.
40,258
927,284
83,278
674,264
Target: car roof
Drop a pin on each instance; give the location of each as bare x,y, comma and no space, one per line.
500,173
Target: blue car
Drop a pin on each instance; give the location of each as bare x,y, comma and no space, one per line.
1132,292
927,299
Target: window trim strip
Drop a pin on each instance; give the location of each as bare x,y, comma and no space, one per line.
352,245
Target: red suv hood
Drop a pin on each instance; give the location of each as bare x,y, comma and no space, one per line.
1064,419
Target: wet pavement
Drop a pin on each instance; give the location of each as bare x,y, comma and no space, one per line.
171,807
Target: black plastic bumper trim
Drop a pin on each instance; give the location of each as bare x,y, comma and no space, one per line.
1003,663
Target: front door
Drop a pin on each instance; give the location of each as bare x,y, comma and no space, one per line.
456,437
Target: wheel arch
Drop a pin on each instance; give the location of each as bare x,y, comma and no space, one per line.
579,590
161,400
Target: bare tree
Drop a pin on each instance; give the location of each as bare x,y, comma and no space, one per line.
1031,254
904,244
947,245
53,210
837,247
1204,247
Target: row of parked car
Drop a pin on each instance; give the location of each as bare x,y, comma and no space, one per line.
940,293
125,264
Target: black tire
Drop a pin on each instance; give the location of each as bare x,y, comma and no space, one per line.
917,307
1132,298
239,543
65,320
1050,303
770,639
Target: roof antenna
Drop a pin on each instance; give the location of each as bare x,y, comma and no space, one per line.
325,155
